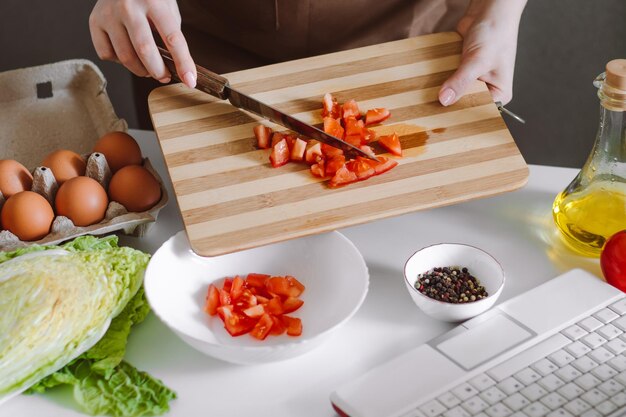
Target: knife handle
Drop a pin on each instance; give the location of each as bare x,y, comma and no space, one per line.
208,81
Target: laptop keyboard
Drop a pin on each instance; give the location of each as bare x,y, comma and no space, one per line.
580,371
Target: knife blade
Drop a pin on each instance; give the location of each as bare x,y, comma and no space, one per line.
218,86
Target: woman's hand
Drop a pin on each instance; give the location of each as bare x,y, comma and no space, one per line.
121,31
489,29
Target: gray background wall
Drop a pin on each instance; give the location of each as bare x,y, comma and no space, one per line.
563,45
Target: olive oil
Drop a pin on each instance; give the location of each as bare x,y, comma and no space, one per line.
587,219
593,206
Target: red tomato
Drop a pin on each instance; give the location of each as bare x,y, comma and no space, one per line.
276,137
391,143
298,150
354,140
333,127
296,287
376,116
291,304
354,126
237,324
318,169
294,325
343,176
262,134
237,288
350,109
313,150
333,164
224,298
256,280
280,153
287,286
367,149
254,311
330,107
278,327
613,260
228,282
330,151
384,165
362,168
369,136
212,300
262,327
275,306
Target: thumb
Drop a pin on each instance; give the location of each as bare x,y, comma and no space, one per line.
454,87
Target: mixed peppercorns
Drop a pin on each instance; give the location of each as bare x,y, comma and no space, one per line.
450,284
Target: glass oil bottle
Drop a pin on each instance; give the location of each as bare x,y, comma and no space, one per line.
593,206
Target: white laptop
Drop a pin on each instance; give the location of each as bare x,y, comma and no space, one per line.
557,350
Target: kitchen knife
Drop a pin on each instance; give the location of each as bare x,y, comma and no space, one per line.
218,86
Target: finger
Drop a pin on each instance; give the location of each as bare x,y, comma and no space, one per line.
125,51
102,44
146,49
502,95
169,29
454,87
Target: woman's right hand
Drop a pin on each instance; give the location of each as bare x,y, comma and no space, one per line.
121,31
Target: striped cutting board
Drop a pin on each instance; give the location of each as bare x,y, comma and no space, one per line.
232,199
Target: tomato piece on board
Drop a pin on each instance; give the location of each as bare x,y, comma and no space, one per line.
368,150
313,150
275,306
354,126
262,134
343,176
333,127
278,327
369,135
256,280
354,140
330,151
276,137
362,168
384,165
333,164
212,300
613,260
391,143
262,327
294,325
330,107
318,170
254,311
376,116
291,304
298,150
280,153
350,109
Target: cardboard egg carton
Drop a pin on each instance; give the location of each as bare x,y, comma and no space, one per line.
64,106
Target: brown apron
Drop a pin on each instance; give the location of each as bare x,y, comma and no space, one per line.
231,35
226,35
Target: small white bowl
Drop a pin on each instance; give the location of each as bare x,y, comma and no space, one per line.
329,265
479,263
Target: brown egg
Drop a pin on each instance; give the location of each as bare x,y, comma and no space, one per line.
82,200
65,165
119,149
14,178
27,215
135,188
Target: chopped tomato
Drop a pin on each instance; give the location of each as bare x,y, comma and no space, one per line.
262,134
333,164
384,165
369,135
275,306
294,325
237,324
291,304
391,143
333,127
262,327
350,109
354,140
313,150
261,299
237,288
276,137
376,116
343,176
224,298
362,168
298,150
256,280
278,327
228,282
280,153
367,150
330,107
255,311
212,300
225,311
330,151
354,126
296,287
318,170
287,286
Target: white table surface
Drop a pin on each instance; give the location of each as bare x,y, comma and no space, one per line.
516,228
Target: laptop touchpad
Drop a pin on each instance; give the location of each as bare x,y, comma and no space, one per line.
484,341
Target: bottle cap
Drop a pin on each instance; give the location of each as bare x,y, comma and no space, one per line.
616,74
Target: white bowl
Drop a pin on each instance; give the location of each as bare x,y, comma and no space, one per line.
329,265
479,263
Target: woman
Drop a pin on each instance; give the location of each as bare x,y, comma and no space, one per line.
228,35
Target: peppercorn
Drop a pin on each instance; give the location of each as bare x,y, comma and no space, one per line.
450,284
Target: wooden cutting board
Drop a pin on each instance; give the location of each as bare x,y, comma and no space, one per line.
232,199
